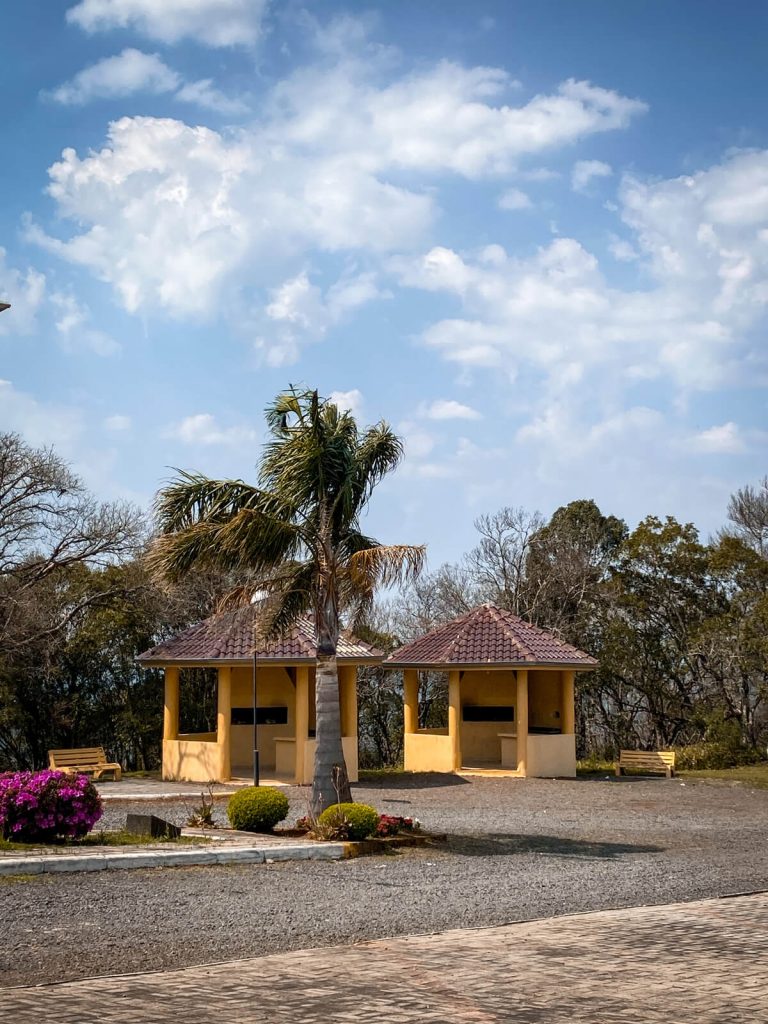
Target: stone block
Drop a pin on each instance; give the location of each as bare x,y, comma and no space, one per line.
151,825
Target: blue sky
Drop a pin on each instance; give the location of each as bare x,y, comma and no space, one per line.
532,236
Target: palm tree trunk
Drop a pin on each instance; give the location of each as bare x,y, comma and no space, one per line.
331,782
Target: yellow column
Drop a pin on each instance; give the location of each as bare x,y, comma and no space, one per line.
521,716
411,700
348,699
454,718
171,704
223,722
568,703
302,721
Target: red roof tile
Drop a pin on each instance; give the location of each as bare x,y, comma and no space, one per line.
228,636
489,636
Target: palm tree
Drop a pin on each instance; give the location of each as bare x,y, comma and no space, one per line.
297,536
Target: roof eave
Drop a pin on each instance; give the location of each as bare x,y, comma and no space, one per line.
443,666
162,662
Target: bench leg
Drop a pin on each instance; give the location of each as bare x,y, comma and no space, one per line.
619,770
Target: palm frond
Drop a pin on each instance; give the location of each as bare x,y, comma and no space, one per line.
193,497
292,598
387,564
379,452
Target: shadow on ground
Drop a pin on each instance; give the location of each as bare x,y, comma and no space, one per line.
408,780
510,845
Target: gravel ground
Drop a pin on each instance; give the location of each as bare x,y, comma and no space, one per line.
519,849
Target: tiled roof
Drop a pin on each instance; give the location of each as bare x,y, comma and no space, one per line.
489,636
228,636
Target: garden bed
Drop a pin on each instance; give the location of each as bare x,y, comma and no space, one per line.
383,844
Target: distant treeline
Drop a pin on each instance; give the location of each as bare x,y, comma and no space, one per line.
680,627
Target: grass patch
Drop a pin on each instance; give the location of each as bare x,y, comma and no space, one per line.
595,766
377,774
754,775
17,879
155,773
104,838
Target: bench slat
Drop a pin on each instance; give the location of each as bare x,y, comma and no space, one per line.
651,760
91,760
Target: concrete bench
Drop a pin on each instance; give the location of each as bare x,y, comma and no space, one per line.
647,760
85,760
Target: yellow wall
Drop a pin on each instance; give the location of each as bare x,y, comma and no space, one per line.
552,757
544,699
480,742
273,689
428,751
199,758
193,759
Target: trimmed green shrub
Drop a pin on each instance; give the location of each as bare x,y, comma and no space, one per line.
350,821
257,809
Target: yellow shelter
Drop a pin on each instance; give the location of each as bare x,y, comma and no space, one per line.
284,676
511,707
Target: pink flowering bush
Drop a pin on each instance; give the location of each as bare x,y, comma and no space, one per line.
47,805
391,824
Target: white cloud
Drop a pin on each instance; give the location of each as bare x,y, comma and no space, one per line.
515,199
446,118
349,401
584,171
204,429
701,243
123,75
725,439
117,423
539,174
133,72
75,332
622,250
38,423
171,215
418,443
581,348
204,94
24,290
211,22
303,313
449,409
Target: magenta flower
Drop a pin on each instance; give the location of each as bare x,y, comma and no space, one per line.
42,806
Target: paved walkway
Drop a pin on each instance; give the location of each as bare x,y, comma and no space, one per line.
222,846
155,789
688,963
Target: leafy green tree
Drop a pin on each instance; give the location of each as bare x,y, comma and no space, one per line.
661,593
298,534
733,641
567,564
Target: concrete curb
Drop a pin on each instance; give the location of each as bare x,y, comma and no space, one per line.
120,861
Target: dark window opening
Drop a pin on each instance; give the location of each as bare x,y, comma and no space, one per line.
487,713
264,716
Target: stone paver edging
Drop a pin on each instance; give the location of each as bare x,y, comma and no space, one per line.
685,963
121,860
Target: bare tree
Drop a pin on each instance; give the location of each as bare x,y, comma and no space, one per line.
748,512
49,523
497,566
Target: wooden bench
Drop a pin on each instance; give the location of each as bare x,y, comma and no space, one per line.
86,760
647,760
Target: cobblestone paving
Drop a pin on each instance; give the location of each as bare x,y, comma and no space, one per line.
687,963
